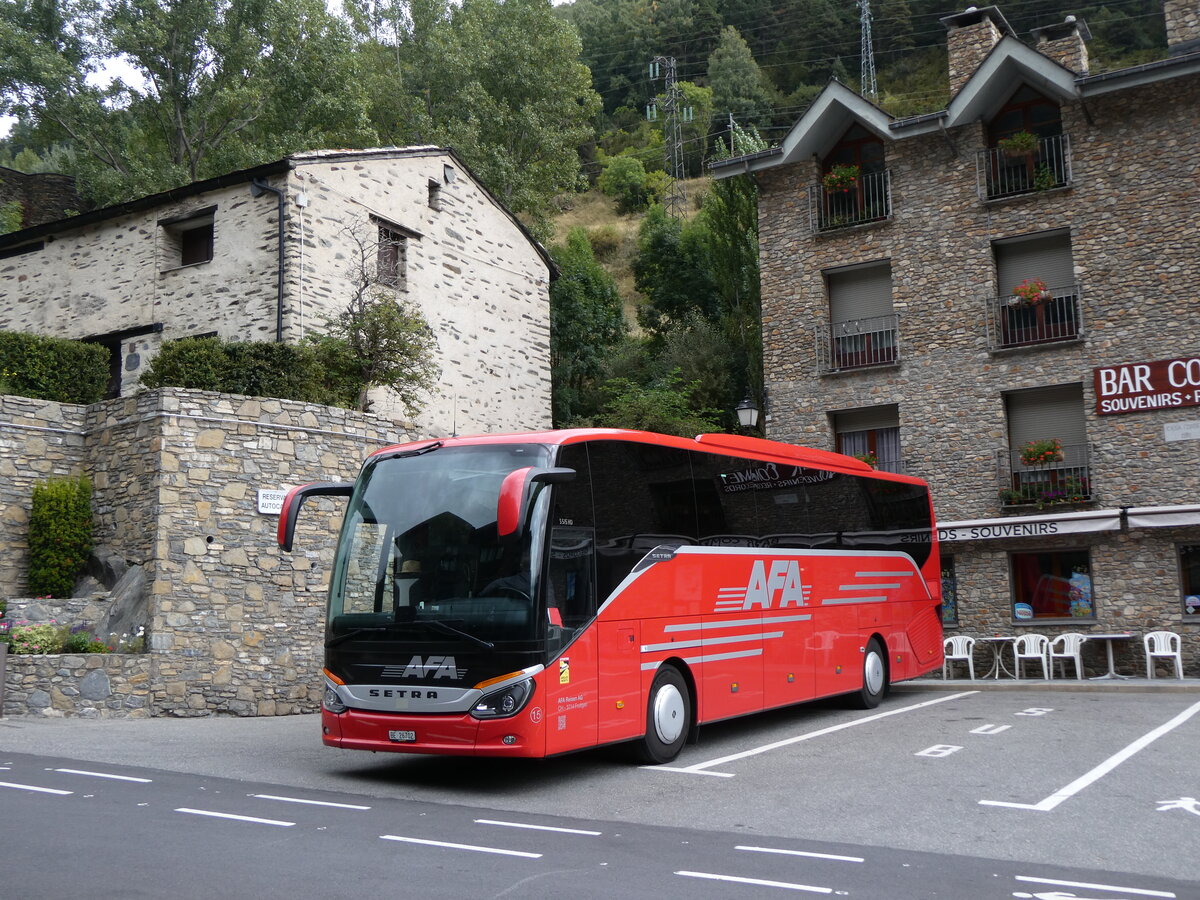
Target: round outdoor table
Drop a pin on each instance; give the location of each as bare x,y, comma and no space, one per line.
997,644
1108,646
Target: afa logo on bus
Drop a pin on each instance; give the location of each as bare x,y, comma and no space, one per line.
778,588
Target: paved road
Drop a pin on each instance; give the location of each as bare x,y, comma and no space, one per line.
1086,785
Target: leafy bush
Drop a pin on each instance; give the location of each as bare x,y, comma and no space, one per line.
47,638
81,641
254,368
624,177
47,368
605,240
60,535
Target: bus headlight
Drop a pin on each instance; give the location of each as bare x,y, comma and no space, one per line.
505,702
332,701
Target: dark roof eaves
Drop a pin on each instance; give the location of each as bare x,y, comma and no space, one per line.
142,203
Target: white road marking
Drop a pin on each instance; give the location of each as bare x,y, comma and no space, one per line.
452,846
538,827
758,882
1142,892
309,802
990,729
30,787
1070,790
836,858
218,815
103,775
699,768
937,751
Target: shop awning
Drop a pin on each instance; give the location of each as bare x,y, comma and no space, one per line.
1032,526
1163,516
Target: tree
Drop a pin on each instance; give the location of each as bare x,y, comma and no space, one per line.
501,82
388,341
661,406
737,82
221,85
671,268
586,325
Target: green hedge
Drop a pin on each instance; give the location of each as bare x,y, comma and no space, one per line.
311,372
60,535
47,368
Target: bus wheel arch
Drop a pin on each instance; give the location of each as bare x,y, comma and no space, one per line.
670,713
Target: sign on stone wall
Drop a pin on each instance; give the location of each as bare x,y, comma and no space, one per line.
1181,431
270,502
1137,387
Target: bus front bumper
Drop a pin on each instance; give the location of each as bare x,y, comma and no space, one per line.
357,729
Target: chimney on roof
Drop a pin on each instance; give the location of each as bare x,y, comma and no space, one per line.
1183,26
1064,43
972,35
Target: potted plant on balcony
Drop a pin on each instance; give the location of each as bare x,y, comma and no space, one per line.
1023,143
1041,452
869,458
841,179
1030,292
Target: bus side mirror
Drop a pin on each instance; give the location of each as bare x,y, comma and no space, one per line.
514,495
296,496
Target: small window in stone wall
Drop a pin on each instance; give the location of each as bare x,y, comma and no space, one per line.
1055,584
949,607
1189,578
188,240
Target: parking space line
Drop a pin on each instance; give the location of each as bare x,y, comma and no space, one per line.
1096,887
808,853
1070,790
700,768
448,845
553,828
103,775
757,882
308,802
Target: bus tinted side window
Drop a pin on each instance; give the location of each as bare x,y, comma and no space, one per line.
571,582
643,497
727,504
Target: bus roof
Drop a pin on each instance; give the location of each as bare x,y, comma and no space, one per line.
724,444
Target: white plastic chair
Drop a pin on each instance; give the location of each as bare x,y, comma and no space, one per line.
1162,645
1031,646
959,648
1064,647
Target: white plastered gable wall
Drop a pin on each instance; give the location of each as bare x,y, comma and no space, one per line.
475,275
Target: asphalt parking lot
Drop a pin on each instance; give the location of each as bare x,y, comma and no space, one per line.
1100,780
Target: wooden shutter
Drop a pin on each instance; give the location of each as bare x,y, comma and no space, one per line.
866,419
1045,256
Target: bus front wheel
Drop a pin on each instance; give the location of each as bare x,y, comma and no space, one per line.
668,717
875,678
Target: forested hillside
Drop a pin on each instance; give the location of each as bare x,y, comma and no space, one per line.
655,317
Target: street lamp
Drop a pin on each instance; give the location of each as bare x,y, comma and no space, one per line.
747,413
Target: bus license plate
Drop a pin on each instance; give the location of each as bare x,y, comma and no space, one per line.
402,735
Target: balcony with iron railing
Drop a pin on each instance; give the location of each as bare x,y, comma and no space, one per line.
1013,322
1001,174
868,200
858,343
1062,479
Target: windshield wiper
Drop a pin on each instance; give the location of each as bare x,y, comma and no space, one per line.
354,632
447,628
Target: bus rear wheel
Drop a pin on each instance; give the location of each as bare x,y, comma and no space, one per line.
875,678
668,717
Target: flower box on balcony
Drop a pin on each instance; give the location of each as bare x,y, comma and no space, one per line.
1037,453
1020,144
841,178
1030,292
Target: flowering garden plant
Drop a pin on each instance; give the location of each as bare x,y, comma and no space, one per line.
1031,291
1018,144
841,178
869,458
1044,451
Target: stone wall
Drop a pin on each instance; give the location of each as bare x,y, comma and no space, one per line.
87,685
44,196
235,625
38,440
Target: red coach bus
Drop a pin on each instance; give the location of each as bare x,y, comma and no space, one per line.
536,594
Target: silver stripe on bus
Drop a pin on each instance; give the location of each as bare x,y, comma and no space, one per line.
737,623
867,587
884,574
715,657
832,601
708,642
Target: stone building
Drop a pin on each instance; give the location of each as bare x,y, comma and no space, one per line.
43,196
266,254
1002,298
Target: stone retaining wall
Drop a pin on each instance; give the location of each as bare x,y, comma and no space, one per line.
88,685
235,625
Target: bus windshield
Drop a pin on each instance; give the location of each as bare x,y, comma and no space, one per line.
419,558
